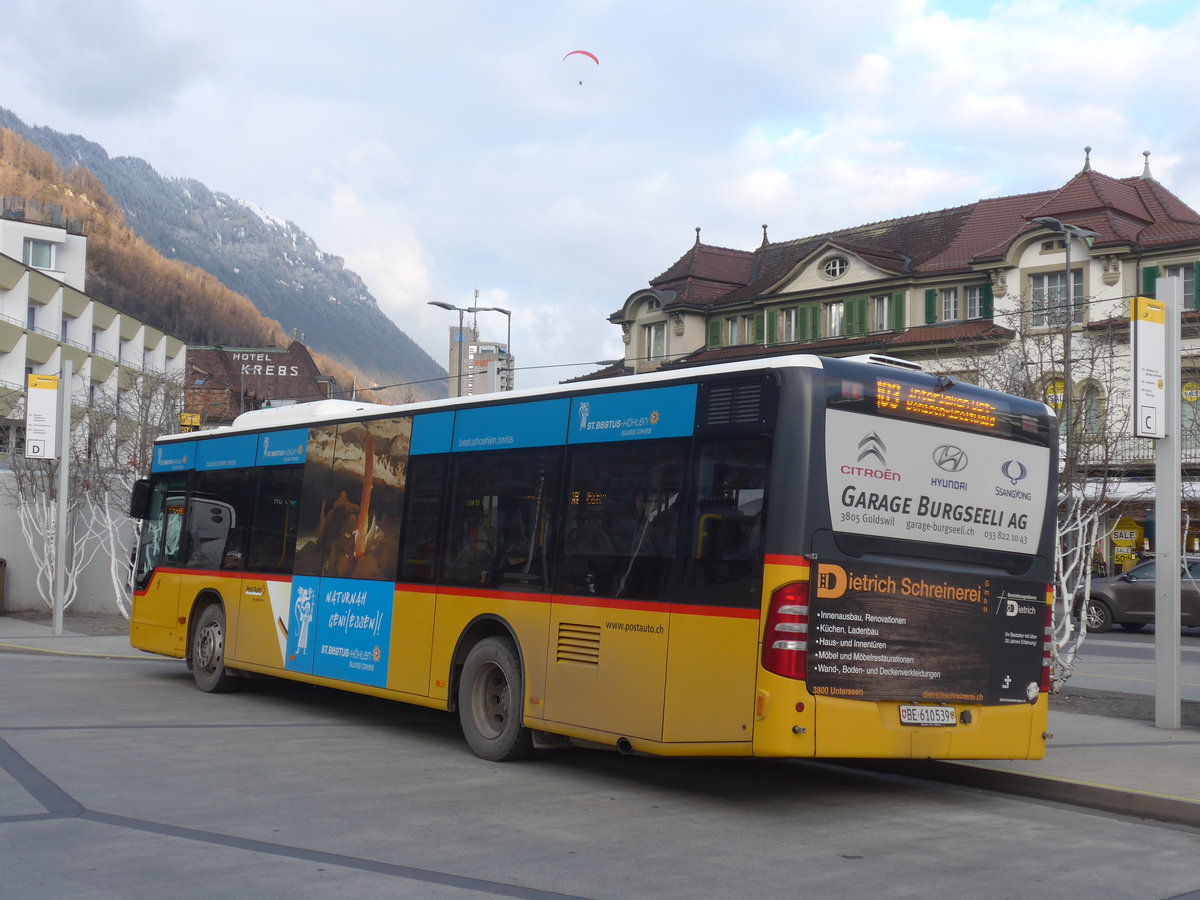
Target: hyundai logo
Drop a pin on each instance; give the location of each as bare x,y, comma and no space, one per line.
950,458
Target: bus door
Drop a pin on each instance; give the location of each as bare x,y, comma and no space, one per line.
714,615
154,621
610,619
266,585
213,534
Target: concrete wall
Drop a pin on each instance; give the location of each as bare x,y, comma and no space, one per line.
96,594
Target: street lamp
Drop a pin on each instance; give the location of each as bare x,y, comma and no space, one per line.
458,380
1069,232
508,340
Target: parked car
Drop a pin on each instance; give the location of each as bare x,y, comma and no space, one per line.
1128,599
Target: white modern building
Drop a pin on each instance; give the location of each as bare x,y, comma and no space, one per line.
478,367
47,319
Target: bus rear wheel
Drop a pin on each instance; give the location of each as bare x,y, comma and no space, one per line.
490,702
208,651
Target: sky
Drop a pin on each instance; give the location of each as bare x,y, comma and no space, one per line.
447,148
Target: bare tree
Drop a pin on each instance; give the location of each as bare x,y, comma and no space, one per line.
110,445
1095,447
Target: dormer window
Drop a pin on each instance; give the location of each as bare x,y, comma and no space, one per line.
653,304
836,266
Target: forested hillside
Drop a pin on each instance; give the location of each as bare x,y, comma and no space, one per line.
274,264
127,274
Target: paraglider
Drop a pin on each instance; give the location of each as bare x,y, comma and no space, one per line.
588,53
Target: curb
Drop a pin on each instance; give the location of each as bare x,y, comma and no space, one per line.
7,645
1102,797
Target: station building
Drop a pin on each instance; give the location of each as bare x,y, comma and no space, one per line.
978,291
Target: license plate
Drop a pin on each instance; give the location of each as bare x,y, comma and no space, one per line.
928,715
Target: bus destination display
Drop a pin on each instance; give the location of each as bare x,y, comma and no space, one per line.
934,406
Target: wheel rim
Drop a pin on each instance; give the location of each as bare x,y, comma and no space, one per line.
1095,616
489,701
210,646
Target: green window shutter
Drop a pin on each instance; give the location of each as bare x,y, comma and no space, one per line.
898,298
1196,288
930,306
714,333
759,326
857,318
814,322
807,322
985,305
1149,277
772,325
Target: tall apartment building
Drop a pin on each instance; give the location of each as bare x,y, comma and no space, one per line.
46,318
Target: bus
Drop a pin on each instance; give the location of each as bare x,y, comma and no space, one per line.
797,557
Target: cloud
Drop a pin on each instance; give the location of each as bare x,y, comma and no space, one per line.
100,59
444,148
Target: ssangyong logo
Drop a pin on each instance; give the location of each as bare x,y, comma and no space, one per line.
950,458
872,445
1014,470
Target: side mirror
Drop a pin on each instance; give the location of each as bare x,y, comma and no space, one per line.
139,501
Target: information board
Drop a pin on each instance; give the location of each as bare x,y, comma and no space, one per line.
1148,327
41,417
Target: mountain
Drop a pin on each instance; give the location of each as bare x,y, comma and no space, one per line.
274,264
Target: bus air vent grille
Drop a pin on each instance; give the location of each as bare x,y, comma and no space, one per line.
734,404
578,643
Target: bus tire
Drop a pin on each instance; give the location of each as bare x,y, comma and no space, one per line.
208,651
491,701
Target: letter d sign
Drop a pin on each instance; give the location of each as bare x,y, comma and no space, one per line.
831,581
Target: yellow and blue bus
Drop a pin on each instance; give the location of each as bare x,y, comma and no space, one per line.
799,557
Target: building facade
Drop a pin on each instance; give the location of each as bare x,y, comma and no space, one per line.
993,291
224,382
124,372
478,367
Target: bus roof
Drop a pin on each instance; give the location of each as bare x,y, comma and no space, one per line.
330,410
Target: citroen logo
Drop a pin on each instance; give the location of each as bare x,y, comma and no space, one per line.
872,445
950,458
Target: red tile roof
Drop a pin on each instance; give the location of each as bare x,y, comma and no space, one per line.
1137,211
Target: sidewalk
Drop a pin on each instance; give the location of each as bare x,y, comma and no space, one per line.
1105,752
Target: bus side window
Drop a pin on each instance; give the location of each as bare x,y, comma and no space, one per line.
621,522
159,541
216,517
499,517
271,534
726,544
422,518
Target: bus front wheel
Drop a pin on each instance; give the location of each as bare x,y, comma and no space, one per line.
490,702
208,651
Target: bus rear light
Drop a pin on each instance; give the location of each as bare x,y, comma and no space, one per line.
1047,645
785,637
